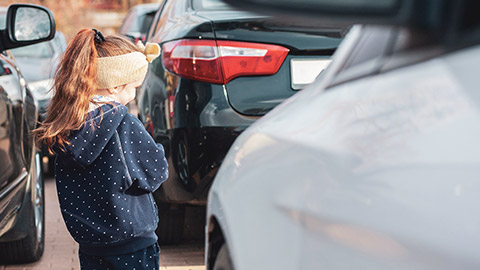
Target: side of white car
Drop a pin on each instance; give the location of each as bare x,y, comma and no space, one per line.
377,173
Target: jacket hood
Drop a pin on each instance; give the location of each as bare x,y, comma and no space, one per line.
88,142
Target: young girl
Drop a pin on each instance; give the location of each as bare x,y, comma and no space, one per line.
107,164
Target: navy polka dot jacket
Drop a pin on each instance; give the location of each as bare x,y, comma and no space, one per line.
105,179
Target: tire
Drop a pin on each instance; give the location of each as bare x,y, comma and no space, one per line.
30,248
181,159
171,223
222,261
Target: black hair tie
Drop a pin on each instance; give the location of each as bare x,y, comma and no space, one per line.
99,38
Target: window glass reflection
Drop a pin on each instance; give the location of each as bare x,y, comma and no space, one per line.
31,24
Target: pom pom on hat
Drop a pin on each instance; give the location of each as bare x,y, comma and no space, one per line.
151,50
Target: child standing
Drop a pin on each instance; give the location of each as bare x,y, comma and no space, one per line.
107,164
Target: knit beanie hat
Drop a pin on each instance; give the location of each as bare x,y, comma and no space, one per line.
126,68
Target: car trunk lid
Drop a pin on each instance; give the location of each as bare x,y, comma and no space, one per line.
310,48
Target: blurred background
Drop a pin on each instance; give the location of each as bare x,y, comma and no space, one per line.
72,15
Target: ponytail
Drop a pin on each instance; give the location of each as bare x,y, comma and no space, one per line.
75,85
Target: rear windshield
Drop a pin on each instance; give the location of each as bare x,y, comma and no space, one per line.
210,5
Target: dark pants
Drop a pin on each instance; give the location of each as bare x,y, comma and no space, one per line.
147,258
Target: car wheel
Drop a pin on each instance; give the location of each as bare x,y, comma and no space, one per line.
171,223
222,261
182,159
30,248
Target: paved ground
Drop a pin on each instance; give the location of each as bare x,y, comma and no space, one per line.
61,251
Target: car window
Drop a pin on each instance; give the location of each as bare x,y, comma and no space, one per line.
363,59
380,48
467,30
163,17
210,5
39,50
156,18
59,41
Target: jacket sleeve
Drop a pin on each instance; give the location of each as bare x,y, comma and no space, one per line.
144,159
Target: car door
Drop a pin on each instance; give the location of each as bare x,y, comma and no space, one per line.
155,80
15,142
6,143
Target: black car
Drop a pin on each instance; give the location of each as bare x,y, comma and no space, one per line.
37,63
220,70
137,21
21,184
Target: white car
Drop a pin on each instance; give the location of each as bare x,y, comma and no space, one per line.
376,165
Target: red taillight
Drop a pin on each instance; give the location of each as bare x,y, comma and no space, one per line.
194,59
7,71
221,61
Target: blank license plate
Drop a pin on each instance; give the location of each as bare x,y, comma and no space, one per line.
304,71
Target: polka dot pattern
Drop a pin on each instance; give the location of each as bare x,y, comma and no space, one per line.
106,176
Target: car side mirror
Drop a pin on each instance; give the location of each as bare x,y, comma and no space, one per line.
27,24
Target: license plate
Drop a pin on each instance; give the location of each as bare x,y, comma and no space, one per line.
305,71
